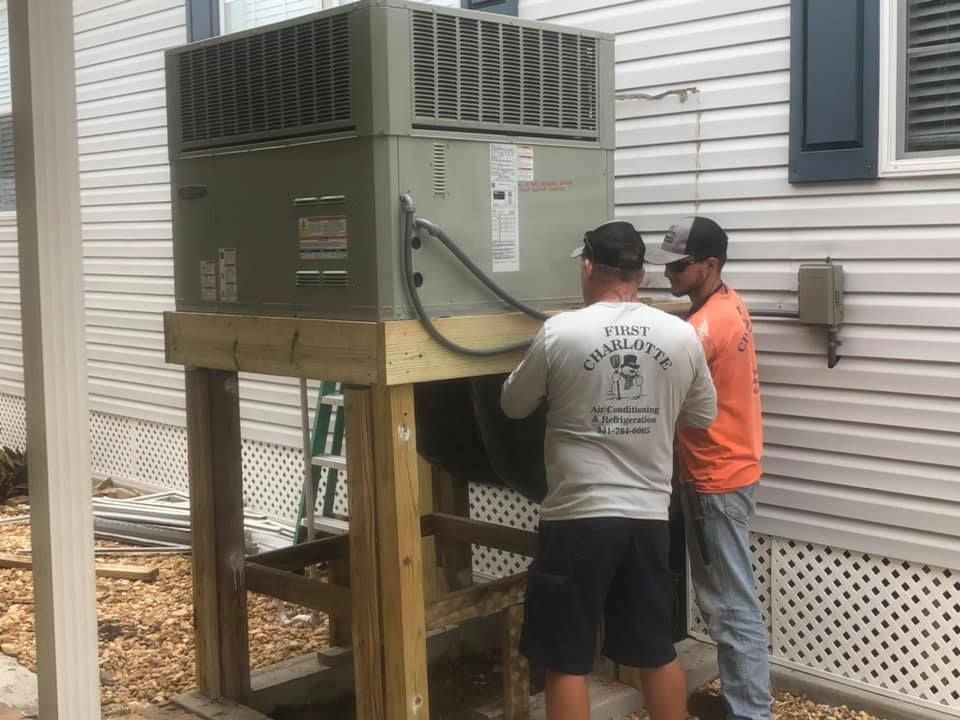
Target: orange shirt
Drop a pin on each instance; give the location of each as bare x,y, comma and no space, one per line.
726,456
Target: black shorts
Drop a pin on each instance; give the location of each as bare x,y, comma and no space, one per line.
614,569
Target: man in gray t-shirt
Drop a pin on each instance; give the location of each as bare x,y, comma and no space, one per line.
617,377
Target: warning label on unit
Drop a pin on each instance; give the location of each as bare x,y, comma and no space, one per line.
323,237
504,206
503,162
524,162
505,227
208,280
228,275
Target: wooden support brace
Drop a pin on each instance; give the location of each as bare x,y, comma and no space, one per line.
477,601
516,669
338,573
454,559
216,526
297,557
288,586
465,531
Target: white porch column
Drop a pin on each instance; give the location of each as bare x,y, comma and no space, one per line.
54,356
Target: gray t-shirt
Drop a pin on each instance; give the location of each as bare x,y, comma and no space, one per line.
617,378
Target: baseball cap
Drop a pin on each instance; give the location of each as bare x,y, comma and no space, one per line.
616,244
698,237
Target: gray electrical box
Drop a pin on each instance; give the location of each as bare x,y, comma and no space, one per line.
291,144
821,294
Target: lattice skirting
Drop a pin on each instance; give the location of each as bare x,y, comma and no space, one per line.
877,622
132,450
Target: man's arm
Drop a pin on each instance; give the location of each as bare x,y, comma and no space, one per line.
700,406
526,387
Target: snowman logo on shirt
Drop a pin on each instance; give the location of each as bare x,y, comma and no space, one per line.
627,382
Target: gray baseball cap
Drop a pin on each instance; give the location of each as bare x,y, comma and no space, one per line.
695,236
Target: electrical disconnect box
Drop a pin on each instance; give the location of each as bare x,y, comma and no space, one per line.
821,294
291,145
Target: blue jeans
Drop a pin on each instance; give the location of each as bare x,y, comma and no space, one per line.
727,597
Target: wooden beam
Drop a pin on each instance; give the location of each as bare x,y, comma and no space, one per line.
410,355
51,318
301,347
399,547
297,557
366,629
216,527
340,626
314,594
516,669
477,601
432,583
452,528
451,496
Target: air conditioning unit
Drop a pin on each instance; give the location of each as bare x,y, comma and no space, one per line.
291,145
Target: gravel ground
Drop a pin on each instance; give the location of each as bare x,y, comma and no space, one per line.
146,633
787,706
145,629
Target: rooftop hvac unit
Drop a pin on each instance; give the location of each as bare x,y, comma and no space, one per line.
292,144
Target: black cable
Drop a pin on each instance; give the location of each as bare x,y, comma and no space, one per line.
410,225
438,233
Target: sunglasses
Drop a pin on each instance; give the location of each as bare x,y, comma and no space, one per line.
678,266
588,248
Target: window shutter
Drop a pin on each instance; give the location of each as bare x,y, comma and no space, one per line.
504,7
932,74
203,19
834,89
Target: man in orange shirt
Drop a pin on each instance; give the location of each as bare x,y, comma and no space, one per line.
723,463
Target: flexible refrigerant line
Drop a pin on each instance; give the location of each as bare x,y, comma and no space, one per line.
411,224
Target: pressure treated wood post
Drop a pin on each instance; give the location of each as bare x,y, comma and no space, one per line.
216,524
366,629
401,562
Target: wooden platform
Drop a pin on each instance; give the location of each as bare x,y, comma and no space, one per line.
362,353
378,594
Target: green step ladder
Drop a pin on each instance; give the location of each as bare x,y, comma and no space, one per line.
329,397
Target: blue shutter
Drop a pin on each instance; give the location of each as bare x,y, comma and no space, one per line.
834,89
203,19
504,7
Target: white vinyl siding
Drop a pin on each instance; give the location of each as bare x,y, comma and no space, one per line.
865,456
126,215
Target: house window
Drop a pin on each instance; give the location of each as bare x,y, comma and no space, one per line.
920,87
8,198
245,14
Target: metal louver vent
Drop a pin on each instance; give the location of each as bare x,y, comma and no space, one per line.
287,82
475,74
322,278
439,165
